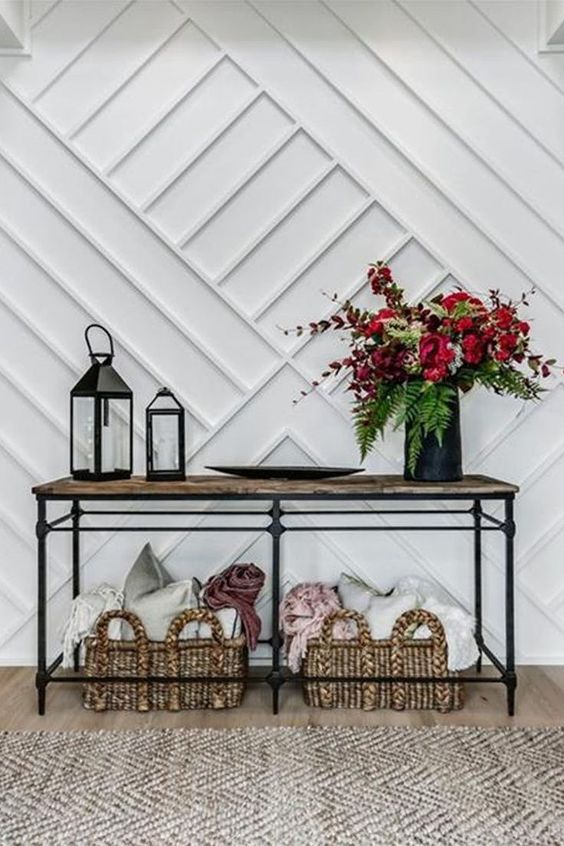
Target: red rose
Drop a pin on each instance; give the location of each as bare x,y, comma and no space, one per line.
435,350
376,324
524,327
472,349
435,374
508,341
501,355
450,301
504,317
463,324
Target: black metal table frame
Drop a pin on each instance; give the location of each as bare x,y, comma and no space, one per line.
481,522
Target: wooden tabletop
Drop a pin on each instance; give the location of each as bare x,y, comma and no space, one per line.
218,486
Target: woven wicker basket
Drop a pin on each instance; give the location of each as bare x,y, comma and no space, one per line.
206,657
400,656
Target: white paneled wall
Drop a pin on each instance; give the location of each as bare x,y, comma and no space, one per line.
195,175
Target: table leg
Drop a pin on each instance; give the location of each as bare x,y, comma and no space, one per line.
477,513
41,531
275,678
511,678
75,510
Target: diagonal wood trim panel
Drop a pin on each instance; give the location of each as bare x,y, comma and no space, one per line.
196,175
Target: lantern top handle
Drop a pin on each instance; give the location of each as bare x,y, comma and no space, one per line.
108,356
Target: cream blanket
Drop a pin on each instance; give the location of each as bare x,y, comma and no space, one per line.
85,610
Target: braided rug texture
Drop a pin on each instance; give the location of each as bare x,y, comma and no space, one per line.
391,786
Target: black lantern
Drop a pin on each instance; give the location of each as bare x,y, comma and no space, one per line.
101,419
165,438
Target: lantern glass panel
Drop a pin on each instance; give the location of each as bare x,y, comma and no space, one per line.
165,433
115,428
83,433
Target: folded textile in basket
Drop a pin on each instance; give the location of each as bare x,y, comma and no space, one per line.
85,610
237,587
156,599
458,624
152,595
228,617
302,612
381,612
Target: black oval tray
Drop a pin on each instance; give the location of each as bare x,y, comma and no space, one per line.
263,471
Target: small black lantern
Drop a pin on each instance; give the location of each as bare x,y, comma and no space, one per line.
166,461
101,419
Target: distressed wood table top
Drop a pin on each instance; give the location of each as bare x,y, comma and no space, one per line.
220,486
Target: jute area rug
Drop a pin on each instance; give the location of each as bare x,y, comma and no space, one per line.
283,786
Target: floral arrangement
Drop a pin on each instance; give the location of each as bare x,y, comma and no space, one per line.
406,363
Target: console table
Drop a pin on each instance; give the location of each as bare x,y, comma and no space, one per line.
465,499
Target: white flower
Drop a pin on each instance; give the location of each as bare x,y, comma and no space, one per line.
458,359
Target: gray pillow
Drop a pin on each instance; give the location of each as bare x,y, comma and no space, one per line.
151,594
146,575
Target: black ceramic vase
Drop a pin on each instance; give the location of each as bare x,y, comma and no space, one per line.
439,462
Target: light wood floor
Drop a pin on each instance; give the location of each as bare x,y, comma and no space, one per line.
540,702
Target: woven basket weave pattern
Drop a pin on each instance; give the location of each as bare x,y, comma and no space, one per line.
399,656
206,657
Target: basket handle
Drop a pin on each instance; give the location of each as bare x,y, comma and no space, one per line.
199,615
366,654
326,634
418,617
102,655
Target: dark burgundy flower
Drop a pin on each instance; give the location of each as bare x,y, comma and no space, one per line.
362,373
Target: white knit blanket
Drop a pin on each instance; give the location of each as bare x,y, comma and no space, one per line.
457,623
410,592
85,610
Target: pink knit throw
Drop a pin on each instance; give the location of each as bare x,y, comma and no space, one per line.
237,587
302,613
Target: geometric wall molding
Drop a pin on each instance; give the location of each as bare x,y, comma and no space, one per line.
551,26
195,176
15,23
